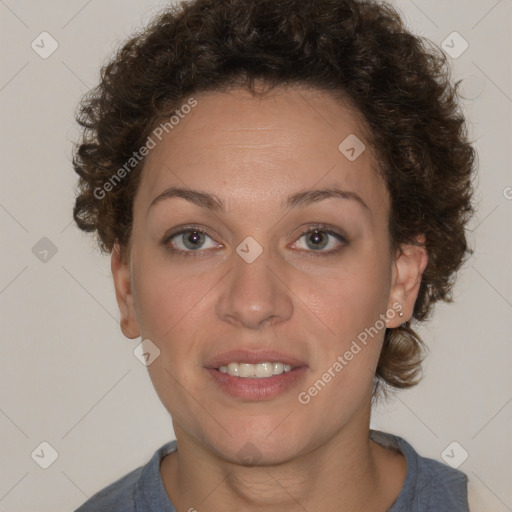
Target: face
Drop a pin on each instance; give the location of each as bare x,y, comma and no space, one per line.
274,250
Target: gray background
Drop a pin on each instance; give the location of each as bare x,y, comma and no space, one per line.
69,377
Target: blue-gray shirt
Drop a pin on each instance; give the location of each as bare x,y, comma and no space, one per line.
429,485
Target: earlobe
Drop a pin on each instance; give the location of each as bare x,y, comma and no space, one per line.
408,267
122,282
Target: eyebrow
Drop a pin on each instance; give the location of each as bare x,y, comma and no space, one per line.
297,200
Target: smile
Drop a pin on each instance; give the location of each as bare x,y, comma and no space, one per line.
258,371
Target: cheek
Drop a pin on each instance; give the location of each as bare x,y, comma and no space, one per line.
172,311
166,299
348,349
349,304
350,299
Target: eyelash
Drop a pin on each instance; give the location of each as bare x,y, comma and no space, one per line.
321,228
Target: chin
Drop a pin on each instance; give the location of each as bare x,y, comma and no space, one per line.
250,445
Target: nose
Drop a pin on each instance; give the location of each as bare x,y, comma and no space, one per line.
254,294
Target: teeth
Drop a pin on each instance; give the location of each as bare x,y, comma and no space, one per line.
258,371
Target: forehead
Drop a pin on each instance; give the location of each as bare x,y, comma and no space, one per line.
253,148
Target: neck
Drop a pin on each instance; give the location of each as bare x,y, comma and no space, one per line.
346,474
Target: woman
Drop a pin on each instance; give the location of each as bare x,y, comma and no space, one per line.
283,188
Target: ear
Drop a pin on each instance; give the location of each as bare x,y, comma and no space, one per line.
122,281
410,262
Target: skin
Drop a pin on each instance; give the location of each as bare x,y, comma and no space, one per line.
252,153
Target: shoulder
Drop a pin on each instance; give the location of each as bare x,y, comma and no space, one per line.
442,487
127,493
429,485
118,496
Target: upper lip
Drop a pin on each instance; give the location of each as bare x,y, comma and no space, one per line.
253,357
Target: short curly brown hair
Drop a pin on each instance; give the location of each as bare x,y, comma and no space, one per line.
360,50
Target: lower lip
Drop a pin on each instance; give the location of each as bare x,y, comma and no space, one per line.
257,389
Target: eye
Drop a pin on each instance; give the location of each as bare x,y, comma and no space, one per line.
316,240
189,240
322,240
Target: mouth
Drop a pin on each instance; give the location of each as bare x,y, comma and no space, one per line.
255,375
258,364
261,370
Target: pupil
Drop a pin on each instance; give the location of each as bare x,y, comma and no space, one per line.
317,237
192,240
